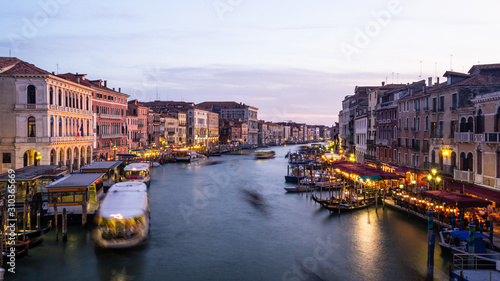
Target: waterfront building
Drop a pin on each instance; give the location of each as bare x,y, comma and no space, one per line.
137,119
46,120
181,124
202,127
110,117
233,131
170,127
234,110
155,135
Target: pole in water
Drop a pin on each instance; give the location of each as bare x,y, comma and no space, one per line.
84,213
64,225
55,218
491,231
430,248
430,266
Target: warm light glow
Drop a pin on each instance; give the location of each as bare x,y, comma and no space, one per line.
446,152
117,216
429,177
438,179
433,171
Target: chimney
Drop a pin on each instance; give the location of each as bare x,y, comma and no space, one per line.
437,80
53,73
119,90
383,83
105,83
113,89
430,82
78,79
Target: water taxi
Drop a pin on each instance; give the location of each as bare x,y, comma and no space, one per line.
264,154
457,241
113,171
184,155
123,218
71,191
138,172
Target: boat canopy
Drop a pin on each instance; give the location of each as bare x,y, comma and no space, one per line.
464,234
77,180
137,167
125,200
101,165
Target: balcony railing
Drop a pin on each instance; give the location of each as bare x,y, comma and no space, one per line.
370,157
383,142
467,176
453,108
464,136
492,137
479,137
110,116
111,136
426,108
71,139
416,148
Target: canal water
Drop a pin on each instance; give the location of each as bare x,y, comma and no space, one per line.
206,225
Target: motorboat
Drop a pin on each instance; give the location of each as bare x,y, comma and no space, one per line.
124,216
138,172
264,154
456,241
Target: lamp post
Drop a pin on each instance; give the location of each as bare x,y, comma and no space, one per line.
435,178
114,152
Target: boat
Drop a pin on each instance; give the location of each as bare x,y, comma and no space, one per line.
17,253
113,171
74,190
124,216
345,206
138,172
156,164
31,234
187,155
19,244
264,154
456,241
299,189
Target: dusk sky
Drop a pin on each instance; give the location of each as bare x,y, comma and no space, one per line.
294,59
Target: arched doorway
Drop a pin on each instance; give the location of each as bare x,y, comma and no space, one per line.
31,157
68,159
89,153
53,157
61,157
82,156
75,159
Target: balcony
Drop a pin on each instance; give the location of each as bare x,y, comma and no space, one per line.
111,136
383,142
416,148
467,176
492,137
464,136
453,108
72,139
436,136
370,142
110,116
140,125
426,108
370,157
51,107
425,149
444,169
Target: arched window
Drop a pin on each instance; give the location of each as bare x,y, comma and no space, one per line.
470,163
463,125
59,98
87,107
31,127
406,125
433,157
66,103
414,123
497,120
88,128
453,159
479,122
441,160
60,127
479,162
462,161
395,133
31,94
470,124
81,102
51,126
51,95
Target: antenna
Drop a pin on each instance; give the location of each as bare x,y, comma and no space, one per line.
157,95
451,62
10,53
420,76
435,69
397,78
57,68
392,78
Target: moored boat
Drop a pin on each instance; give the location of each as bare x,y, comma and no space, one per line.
123,218
456,241
138,172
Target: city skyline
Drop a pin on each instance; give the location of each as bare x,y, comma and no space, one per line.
293,60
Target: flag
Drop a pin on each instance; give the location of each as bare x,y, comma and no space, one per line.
81,129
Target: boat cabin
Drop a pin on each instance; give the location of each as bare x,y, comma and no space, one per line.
123,218
113,171
30,183
72,190
138,172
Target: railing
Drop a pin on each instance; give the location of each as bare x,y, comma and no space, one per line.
383,142
69,109
464,136
472,262
479,137
436,136
445,169
31,139
416,148
370,142
492,137
425,149
71,139
370,157
111,136
467,176
140,125
426,108
453,108
110,116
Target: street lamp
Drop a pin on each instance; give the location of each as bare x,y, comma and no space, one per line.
114,152
434,178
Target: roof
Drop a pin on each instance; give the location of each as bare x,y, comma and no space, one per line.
126,200
453,73
76,180
16,66
223,104
99,165
86,82
137,166
464,234
485,66
33,172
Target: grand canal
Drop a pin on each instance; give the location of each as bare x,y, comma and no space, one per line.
204,226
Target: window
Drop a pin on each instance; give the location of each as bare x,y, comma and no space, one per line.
6,158
418,123
434,104
454,101
59,98
31,127
31,94
51,95
479,162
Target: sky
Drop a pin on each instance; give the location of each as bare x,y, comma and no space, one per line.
294,59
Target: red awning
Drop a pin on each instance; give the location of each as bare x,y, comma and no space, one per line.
475,190
435,194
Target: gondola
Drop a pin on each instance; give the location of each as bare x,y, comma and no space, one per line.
349,207
19,244
23,251
33,233
301,189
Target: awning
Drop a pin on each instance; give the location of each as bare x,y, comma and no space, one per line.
436,194
475,190
455,199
